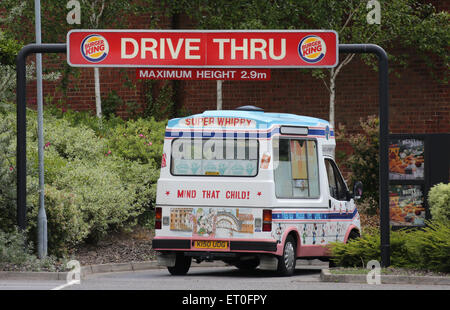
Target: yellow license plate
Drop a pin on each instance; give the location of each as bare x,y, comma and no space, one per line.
211,244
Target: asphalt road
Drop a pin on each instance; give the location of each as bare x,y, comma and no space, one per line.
226,278
209,278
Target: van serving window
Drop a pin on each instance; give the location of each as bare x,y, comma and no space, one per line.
296,170
214,157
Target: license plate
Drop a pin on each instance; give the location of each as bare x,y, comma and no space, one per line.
211,244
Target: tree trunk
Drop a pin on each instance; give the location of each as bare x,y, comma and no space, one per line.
94,19
98,100
219,94
332,89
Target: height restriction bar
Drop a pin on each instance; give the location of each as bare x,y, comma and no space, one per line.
203,49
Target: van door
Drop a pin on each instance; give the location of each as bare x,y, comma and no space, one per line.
338,199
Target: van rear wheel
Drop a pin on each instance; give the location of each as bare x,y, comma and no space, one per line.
182,265
286,263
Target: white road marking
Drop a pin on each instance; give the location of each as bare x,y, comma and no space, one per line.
66,285
27,284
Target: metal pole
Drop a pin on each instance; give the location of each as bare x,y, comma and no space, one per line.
22,122
384,137
98,100
42,216
21,139
219,94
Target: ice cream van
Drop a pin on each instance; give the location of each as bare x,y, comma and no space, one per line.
252,189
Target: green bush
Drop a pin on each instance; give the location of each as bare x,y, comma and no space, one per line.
8,170
430,247
141,180
16,254
425,249
357,252
84,118
13,247
439,201
70,142
7,173
93,184
7,82
367,206
105,201
89,200
9,48
66,227
110,104
363,161
139,140
160,106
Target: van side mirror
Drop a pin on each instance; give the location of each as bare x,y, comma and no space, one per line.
357,190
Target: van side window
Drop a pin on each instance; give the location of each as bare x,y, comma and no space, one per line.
296,172
338,190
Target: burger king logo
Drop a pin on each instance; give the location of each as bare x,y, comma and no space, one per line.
94,48
312,49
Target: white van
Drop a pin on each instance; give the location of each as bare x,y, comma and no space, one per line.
251,189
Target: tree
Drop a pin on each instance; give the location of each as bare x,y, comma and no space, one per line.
403,23
8,50
95,14
96,11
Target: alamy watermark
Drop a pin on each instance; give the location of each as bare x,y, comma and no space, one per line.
73,276
374,15
74,15
374,275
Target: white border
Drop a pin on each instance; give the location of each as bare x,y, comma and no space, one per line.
197,31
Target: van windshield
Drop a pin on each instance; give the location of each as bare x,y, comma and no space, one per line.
214,157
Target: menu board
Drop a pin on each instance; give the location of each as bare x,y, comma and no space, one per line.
406,159
406,205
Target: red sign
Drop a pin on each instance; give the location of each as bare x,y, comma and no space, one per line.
202,49
204,74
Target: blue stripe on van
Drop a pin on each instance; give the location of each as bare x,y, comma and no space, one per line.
319,132
316,132
313,216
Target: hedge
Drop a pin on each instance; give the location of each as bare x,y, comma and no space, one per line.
95,181
425,248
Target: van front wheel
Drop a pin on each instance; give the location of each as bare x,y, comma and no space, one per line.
286,263
182,265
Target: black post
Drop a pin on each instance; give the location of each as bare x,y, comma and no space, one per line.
21,91
384,136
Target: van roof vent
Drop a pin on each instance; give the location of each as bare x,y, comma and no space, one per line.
250,108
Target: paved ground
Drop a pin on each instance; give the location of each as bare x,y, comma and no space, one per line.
29,285
211,278
226,278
